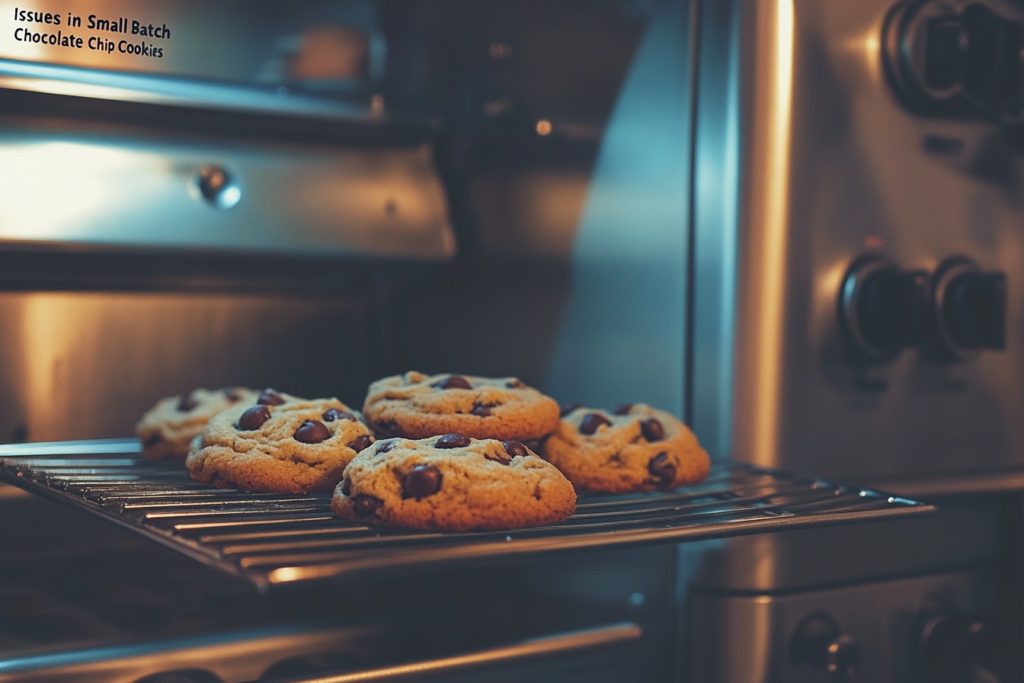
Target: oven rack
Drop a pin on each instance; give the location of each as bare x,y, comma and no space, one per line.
271,539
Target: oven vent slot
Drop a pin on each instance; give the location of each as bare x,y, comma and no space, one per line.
273,539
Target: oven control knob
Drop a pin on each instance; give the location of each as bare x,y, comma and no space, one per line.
969,307
952,647
941,60
819,642
882,308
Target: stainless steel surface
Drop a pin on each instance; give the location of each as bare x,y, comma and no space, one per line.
133,189
275,539
631,283
180,92
562,644
269,43
964,532
833,166
233,657
126,350
746,639
1010,480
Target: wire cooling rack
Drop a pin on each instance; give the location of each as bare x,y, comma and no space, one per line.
271,539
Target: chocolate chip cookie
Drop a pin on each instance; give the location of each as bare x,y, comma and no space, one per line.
296,446
417,406
167,428
632,448
453,483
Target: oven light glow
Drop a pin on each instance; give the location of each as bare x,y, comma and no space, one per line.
48,190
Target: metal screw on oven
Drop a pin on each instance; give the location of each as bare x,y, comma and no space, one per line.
819,642
217,187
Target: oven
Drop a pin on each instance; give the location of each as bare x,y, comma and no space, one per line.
794,224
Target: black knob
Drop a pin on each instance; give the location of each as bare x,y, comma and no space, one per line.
943,61
882,308
969,308
818,641
949,647
991,76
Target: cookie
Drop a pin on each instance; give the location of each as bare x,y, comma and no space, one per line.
417,406
633,448
167,428
453,483
293,447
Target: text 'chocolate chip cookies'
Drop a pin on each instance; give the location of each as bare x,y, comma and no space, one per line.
633,448
168,427
453,483
292,446
417,406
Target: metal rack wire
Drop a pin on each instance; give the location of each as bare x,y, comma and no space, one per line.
273,539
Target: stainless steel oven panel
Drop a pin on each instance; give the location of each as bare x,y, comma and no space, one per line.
232,40
961,533
67,188
125,350
747,639
801,124
585,655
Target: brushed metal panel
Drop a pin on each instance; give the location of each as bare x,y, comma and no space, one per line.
228,40
962,532
745,639
831,165
84,365
68,187
626,308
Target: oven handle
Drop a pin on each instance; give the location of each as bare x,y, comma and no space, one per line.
569,642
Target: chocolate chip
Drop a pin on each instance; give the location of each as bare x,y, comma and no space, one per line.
186,402
312,431
361,442
663,470
332,414
453,441
346,487
515,383
386,446
623,409
452,382
481,411
269,397
499,457
232,395
253,418
422,481
652,430
386,427
515,448
366,505
591,421
568,408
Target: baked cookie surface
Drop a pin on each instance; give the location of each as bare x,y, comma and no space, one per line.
633,448
296,446
166,429
453,483
417,406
